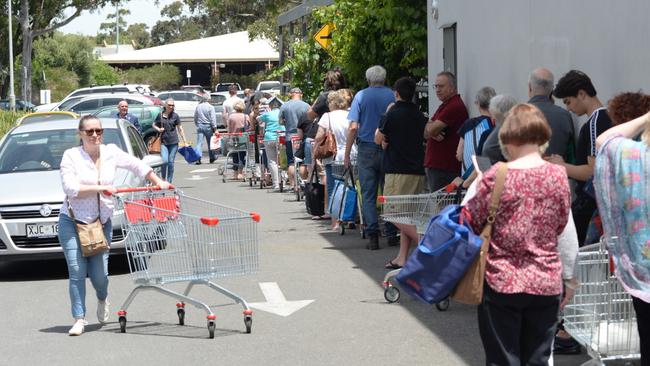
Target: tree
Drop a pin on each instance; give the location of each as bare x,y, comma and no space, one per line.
37,18
107,29
139,35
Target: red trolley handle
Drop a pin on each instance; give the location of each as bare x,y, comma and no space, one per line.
137,189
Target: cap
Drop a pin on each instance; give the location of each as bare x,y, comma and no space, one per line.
295,90
264,101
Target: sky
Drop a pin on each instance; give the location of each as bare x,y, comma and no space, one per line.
142,11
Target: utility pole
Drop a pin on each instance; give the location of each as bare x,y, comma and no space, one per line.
117,27
12,96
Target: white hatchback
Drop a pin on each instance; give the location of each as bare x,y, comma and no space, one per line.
184,102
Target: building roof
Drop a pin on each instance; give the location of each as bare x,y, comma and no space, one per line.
233,47
111,49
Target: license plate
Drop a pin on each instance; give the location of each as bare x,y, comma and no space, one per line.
42,230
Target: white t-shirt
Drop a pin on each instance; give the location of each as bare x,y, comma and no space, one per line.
229,107
339,123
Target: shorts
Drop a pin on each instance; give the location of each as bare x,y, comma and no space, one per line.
399,184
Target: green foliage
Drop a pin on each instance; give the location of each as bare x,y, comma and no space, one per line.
8,120
391,33
160,77
102,74
61,82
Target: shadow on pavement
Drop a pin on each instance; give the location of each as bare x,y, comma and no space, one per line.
54,269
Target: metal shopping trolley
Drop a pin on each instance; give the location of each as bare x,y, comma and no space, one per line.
298,182
233,144
283,175
415,210
171,237
251,169
601,316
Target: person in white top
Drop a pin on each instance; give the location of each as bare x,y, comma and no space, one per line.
229,104
337,121
87,171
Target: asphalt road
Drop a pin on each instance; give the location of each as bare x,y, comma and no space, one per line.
348,323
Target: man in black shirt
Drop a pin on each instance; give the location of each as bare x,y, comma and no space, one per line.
579,95
401,134
307,129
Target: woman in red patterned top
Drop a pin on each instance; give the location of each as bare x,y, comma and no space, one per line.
523,279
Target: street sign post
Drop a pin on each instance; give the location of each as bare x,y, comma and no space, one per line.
324,36
188,74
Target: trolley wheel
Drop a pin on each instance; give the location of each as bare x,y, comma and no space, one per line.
281,185
181,316
122,321
250,182
443,305
211,328
352,226
262,183
297,190
391,294
363,233
223,179
341,228
248,321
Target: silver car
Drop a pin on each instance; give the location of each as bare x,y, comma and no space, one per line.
31,194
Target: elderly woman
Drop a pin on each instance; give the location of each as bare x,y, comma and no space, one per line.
238,122
336,120
623,191
523,277
86,172
271,122
168,124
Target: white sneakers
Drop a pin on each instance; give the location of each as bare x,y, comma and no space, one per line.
102,311
78,327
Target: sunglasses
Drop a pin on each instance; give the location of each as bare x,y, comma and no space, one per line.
170,105
98,131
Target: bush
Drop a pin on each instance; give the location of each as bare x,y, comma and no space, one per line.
61,82
159,77
8,120
102,74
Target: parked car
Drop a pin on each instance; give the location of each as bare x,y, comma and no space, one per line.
268,85
89,104
77,94
198,89
30,156
46,116
221,87
184,102
146,117
21,105
217,99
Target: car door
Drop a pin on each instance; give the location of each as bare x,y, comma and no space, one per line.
85,107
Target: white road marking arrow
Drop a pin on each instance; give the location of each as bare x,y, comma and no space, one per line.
209,170
196,177
276,303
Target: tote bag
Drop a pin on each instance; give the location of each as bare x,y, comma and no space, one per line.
189,153
343,202
154,144
315,195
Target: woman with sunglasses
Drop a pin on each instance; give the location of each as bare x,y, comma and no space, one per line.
168,123
87,171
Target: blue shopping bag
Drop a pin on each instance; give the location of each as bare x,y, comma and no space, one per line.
190,154
444,254
343,202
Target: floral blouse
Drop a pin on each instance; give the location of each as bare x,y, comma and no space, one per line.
534,208
622,177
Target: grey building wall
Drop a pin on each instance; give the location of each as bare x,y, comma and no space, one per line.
500,41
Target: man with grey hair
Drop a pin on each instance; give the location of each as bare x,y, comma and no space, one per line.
440,162
499,107
366,111
540,88
205,120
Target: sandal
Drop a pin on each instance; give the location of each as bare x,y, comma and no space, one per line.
392,265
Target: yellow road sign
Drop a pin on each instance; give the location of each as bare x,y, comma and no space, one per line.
324,35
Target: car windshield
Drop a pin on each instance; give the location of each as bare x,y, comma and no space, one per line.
45,117
269,85
43,150
217,99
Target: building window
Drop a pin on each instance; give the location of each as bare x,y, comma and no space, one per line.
449,48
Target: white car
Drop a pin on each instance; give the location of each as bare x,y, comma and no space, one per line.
32,195
91,103
184,102
102,89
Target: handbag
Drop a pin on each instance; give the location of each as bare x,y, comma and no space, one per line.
469,289
154,144
92,240
343,202
189,153
314,195
327,147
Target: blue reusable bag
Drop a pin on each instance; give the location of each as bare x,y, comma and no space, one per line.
189,154
343,202
442,257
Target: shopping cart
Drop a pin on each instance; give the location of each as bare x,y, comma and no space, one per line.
416,210
298,182
601,316
283,175
251,169
233,144
171,237
338,172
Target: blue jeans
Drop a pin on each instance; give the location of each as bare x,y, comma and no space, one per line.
289,146
80,267
168,155
329,178
371,176
206,131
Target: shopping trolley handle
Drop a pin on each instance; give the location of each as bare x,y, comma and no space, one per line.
137,189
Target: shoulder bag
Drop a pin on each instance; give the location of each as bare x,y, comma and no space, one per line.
327,147
315,194
153,144
469,289
92,240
